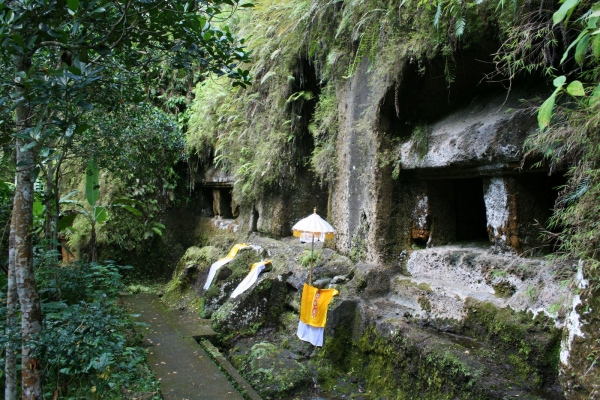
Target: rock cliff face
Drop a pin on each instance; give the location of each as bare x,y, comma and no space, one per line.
459,176
439,216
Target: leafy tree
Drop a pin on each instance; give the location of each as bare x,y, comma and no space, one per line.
61,61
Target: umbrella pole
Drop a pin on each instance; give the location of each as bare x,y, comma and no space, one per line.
312,249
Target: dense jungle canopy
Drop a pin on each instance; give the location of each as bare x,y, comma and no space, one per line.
109,108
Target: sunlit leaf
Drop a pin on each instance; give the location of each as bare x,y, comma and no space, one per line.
545,112
100,214
581,49
559,81
566,9
575,88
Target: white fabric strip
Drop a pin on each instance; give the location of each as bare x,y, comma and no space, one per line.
248,281
213,270
310,334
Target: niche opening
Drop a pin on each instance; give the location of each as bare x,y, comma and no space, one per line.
469,205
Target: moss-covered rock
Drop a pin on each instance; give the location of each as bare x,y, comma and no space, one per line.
532,344
258,307
271,370
493,353
189,276
226,280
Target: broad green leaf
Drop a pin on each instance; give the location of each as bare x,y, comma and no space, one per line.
575,89
82,128
65,221
566,9
100,214
559,81
581,49
596,46
573,44
73,5
35,173
132,210
545,112
595,96
92,186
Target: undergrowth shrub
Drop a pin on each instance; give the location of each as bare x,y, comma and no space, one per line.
88,347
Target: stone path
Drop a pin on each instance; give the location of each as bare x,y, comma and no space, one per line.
184,369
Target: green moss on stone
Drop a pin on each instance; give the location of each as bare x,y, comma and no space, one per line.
272,371
178,291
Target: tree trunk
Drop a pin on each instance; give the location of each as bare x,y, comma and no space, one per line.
10,365
31,315
49,203
93,255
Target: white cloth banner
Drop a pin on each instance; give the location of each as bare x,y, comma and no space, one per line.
310,334
248,281
213,270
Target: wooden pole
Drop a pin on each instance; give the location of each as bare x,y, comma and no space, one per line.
312,249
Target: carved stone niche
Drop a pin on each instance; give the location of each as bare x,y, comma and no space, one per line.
507,212
223,203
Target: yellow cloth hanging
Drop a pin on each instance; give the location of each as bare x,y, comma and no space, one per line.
313,307
256,265
235,249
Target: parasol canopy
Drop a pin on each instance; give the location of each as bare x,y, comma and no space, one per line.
310,229
313,227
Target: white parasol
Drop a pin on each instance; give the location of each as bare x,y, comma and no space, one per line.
310,229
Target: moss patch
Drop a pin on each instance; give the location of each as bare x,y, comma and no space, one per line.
513,352
179,291
261,306
272,371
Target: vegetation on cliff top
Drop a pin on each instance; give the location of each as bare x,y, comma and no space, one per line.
302,52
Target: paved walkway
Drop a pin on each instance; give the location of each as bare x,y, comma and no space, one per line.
184,369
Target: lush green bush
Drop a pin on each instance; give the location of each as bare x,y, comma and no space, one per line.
88,346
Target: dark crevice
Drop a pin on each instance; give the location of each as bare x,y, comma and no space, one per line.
469,205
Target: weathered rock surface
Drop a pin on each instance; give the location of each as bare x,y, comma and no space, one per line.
446,276
488,135
457,321
259,307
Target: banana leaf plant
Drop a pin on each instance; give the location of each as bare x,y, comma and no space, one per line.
97,214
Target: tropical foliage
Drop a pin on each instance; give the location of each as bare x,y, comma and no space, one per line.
64,63
88,345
